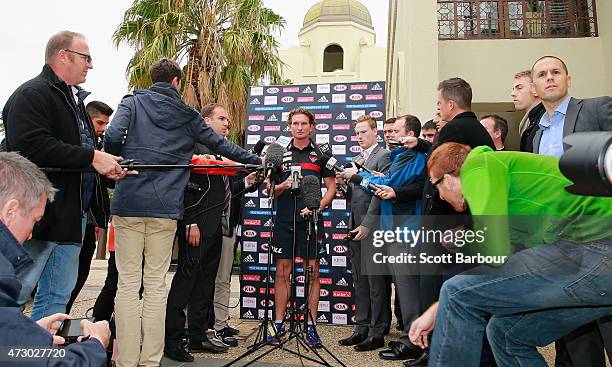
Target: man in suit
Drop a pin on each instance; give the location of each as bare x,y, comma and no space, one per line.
564,116
525,99
497,127
371,297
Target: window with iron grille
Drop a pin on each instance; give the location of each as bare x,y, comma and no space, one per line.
491,19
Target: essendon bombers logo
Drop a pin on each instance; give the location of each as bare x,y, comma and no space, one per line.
249,289
254,128
355,149
250,233
340,138
341,307
339,249
323,293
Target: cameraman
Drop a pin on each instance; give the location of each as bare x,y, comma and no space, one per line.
23,197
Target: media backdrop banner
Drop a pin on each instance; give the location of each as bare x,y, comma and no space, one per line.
335,107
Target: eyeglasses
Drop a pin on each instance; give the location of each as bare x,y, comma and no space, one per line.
438,181
85,56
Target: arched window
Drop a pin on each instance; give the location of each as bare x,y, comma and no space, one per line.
333,58
461,19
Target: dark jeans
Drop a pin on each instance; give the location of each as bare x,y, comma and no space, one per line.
193,285
87,251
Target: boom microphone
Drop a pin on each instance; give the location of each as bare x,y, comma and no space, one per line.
357,180
311,191
274,158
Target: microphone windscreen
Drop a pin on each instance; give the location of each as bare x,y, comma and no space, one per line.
323,159
356,179
258,148
311,191
274,156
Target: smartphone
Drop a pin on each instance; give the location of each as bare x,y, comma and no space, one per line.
71,329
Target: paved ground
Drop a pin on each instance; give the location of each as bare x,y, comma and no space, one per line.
278,358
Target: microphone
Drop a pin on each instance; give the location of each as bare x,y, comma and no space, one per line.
358,180
311,191
331,163
296,171
258,148
274,158
359,163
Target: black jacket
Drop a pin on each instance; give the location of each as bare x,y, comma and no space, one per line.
155,127
41,123
534,118
18,330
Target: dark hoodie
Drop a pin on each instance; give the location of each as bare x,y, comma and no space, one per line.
155,127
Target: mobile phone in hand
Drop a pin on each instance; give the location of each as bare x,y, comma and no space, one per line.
71,329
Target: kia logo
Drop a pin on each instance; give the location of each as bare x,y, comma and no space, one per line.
272,90
248,289
355,149
355,97
322,126
340,88
340,249
341,306
287,99
270,139
254,128
339,138
376,114
250,233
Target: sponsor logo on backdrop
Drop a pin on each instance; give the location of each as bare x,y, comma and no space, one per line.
323,306
287,99
249,246
263,290
264,234
257,91
322,319
338,98
355,149
305,99
254,127
325,281
355,106
263,303
339,236
339,204
307,90
270,100
323,261
339,318
287,128
249,204
339,249
262,312
264,203
341,116
272,128
322,138
340,138
264,246
248,315
291,89
323,99
249,289
323,88
376,87
356,97
249,233
260,109
341,225
338,260
342,294
255,101
252,139
272,90
300,279
357,114
342,283
322,127
341,307
340,88
327,224
339,149
270,139
268,223
325,107
263,258
323,116
359,87
271,281
299,291
251,277
273,118
248,259
354,138
373,97
285,116
249,302
380,126
341,127
257,118
323,293
376,114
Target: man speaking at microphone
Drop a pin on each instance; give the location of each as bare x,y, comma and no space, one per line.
301,152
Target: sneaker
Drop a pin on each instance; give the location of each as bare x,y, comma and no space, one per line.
232,331
224,337
312,337
277,333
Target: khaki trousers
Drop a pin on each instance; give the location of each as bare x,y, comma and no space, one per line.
143,248
222,282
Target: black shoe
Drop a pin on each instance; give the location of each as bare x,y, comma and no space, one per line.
418,362
205,346
352,340
224,337
178,354
370,343
400,352
393,344
231,331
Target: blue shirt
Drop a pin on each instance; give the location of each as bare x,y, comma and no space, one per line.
551,143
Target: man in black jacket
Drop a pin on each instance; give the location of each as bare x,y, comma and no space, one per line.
154,127
46,122
24,191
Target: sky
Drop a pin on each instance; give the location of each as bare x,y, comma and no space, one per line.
26,26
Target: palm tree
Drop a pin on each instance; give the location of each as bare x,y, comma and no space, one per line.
225,45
